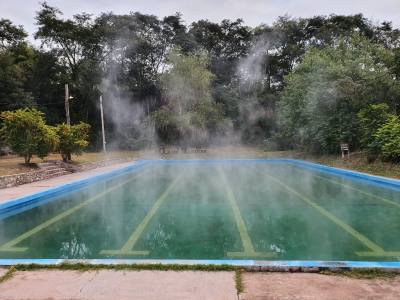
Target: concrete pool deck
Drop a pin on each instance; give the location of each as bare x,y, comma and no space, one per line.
8,194
177,285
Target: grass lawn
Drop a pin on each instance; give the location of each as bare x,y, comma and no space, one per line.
13,164
358,162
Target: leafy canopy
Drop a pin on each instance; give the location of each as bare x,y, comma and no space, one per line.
73,139
324,93
25,131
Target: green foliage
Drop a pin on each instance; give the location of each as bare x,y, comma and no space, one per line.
323,74
10,35
191,115
319,105
188,82
387,139
371,118
15,69
25,131
73,139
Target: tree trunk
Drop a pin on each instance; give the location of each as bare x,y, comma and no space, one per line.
27,158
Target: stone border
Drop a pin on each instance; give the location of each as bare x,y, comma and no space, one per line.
8,181
12,180
93,165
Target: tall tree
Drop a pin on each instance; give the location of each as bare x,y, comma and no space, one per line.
325,92
16,63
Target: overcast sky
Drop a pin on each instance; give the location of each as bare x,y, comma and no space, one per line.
253,12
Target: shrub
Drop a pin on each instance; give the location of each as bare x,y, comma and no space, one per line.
372,118
387,139
25,131
73,139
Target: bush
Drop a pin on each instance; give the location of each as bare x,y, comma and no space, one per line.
387,139
371,119
25,131
73,139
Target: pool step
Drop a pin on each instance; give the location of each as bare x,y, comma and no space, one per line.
53,169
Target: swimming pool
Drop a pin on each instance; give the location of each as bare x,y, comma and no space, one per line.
210,210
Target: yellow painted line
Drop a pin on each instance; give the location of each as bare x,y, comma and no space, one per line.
363,239
379,254
130,243
248,249
358,190
125,253
10,246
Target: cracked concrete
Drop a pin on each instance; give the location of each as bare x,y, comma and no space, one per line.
121,285
303,286
190,285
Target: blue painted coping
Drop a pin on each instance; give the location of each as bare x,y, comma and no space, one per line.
26,202
353,175
73,186
283,264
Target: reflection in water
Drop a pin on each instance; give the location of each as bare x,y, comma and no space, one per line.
159,238
74,248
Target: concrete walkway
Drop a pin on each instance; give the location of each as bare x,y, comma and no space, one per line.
121,285
303,286
190,285
34,187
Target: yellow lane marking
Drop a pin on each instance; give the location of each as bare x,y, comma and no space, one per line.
363,239
248,247
131,242
360,191
10,246
379,254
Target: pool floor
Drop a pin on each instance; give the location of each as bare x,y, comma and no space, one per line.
268,211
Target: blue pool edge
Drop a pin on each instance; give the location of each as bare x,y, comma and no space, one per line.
254,265
280,265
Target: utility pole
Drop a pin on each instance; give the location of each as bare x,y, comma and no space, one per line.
102,124
67,105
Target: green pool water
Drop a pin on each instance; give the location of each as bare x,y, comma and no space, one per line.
213,211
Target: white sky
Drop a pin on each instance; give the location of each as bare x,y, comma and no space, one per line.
253,12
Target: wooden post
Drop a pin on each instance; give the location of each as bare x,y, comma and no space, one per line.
67,105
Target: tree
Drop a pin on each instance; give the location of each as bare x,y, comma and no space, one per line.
25,131
77,45
10,35
190,115
225,43
371,118
319,106
76,39
73,139
16,65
